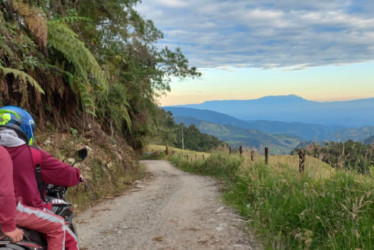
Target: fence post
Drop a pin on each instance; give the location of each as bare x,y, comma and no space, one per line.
301,160
241,150
229,150
266,155
168,151
252,155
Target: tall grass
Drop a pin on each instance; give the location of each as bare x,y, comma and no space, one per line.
219,165
289,210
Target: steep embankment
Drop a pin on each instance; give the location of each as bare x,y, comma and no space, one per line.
110,167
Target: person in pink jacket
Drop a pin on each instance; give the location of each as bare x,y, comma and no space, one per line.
12,214
17,135
7,199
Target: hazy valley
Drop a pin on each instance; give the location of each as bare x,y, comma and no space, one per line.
290,120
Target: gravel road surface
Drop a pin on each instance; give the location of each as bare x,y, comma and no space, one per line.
169,210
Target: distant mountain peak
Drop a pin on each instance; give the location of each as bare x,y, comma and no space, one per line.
282,98
289,97
271,99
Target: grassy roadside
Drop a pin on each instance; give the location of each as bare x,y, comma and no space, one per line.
319,209
160,152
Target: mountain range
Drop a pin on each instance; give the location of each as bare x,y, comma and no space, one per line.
292,108
282,133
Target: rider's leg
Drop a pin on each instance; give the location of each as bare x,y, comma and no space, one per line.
71,241
51,225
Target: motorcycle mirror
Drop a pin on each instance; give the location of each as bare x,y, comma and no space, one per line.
80,155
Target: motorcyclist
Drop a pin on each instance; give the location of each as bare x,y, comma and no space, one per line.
10,215
16,135
7,199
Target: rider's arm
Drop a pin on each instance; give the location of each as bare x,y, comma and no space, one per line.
7,199
57,172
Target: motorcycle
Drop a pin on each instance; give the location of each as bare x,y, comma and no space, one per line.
56,195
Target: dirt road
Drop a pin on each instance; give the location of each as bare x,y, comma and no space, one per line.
169,210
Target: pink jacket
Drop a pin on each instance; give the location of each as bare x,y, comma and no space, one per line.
7,199
53,171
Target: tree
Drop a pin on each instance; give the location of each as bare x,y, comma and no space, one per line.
349,155
92,59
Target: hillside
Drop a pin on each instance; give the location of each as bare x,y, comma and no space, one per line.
369,140
110,167
292,108
250,138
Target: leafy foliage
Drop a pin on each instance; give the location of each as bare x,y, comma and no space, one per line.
180,136
66,41
35,21
90,57
24,77
350,155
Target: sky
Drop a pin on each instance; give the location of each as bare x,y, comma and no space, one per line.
246,49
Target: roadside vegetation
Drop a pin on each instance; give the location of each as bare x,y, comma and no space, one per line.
90,73
323,208
350,155
178,135
86,65
153,151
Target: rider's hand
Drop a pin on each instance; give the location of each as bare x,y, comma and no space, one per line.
82,179
16,235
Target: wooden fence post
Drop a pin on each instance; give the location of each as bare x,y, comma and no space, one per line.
168,150
229,150
241,150
252,155
301,160
266,155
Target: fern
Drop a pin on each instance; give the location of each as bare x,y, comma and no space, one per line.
24,77
35,20
66,41
86,98
113,107
4,48
4,35
118,101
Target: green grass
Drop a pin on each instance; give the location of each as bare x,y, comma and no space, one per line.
219,165
319,209
156,152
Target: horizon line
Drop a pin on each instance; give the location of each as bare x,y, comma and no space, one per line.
294,95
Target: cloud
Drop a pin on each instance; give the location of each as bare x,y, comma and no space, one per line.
172,3
264,14
267,33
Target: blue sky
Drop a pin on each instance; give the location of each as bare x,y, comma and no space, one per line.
246,49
